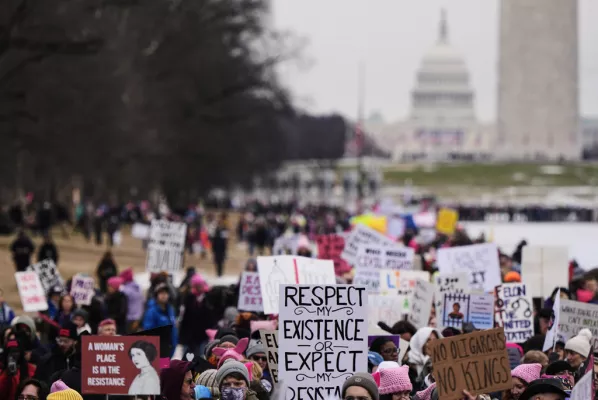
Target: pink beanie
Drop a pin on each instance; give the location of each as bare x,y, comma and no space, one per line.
527,372
425,394
115,282
266,325
235,354
58,386
394,380
198,280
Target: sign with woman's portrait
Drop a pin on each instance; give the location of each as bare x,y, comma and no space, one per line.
120,365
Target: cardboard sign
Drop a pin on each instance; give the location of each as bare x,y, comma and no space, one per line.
515,312
363,236
166,246
388,309
82,289
48,274
270,341
31,292
574,316
583,389
421,303
278,270
120,365
478,261
460,308
544,268
330,247
447,221
476,362
322,338
250,293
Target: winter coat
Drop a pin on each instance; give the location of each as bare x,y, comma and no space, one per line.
116,309
197,317
48,250
106,270
155,317
53,362
8,384
135,300
6,315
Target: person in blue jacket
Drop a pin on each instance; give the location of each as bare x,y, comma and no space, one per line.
160,312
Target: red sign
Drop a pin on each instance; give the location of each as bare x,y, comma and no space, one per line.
120,365
330,247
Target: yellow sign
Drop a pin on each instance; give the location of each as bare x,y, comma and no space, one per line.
447,221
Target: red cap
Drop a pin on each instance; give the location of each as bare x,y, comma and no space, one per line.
107,322
12,344
64,333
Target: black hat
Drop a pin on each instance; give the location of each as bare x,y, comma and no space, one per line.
161,287
559,366
68,331
543,386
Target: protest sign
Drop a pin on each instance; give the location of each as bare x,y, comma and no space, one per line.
48,274
330,247
421,303
448,283
286,244
82,289
514,311
322,338
363,236
270,341
277,270
387,309
120,365
574,316
544,268
460,308
476,362
31,292
166,246
583,389
140,231
447,221
250,294
401,283
370,278
478,261
552,334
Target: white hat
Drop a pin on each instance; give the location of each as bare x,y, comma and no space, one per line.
388,365
580,343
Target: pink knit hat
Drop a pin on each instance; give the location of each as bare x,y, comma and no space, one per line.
425,394
236,353
527,372
115,282
58,386
394,380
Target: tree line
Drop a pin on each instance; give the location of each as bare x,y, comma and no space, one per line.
168,95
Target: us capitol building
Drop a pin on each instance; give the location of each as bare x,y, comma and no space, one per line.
442,124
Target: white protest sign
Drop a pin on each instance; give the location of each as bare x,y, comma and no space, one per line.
322,338
140,231
574,316
478,261
285,244
250,294
387,309
373,258
460,308
278,270
370,278
448,283
31,292
552,334
402,284
270,342
363,236
514,312
82,289
544,268
166,246
421,303
583,389
48,274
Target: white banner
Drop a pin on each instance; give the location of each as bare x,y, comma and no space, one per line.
515,311
166,247
322,338
250,293
387,309
478,261
583,388
574,316
31,291
363,236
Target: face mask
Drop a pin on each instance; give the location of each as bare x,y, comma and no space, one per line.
233,394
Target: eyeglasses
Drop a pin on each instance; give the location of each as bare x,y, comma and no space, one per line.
27,397
188,381
401,396
390,350
258,358
357,398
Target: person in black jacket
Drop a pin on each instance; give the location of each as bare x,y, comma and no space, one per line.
219,241
62,356
106,270
48,250
117,304
22,249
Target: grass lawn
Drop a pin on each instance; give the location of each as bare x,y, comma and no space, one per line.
493,175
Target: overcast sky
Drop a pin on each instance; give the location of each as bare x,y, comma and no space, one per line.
391,36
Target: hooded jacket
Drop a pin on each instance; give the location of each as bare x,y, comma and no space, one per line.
156,317
171,379
135,300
